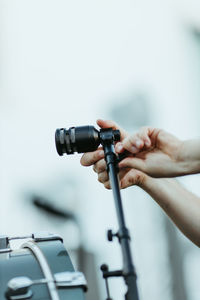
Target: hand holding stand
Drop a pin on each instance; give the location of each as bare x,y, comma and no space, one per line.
128,272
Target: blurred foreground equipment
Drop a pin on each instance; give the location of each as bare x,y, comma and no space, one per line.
39,269
83,259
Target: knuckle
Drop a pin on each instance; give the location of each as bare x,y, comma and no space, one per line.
96,167
100,166
95,156
83,160
107,185
87,159
90,158
103,177
143,131
100,179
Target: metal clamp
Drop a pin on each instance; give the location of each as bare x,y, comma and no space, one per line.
19,287
37,237
4,244
70,279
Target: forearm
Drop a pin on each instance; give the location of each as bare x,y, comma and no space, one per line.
180,205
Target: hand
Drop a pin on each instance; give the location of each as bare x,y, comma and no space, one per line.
127,177
91,158
154,152
96,158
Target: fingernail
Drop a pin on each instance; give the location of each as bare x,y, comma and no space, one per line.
121,186
134,149
138,143
119,148
101,153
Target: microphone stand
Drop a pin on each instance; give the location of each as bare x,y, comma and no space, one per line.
128,270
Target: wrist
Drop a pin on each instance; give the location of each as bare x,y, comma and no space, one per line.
189,157
146,182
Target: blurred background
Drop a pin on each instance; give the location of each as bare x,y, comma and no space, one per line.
67,63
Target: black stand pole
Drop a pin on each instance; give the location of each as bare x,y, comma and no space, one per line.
87,138
128,271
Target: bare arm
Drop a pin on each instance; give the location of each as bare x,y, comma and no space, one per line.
180,205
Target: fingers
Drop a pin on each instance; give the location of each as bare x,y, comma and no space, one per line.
107,185
101,169
100,166
132,144
113,125
127,178
136,142
133,162
145,135
90,158
103,177
133,177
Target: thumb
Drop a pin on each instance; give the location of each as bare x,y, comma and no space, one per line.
110,124
133,177
133,162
